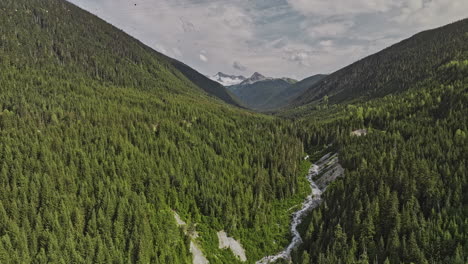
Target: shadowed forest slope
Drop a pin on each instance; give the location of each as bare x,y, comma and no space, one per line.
394,69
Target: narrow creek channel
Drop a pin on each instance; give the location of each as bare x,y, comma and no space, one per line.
326,163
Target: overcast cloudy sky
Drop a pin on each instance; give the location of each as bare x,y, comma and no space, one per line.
293,38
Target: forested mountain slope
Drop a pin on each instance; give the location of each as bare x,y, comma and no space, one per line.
285,97
394,69
404,195
58,35
261,95
101,138
207,84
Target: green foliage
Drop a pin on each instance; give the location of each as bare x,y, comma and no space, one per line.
101,137
57,35
403,199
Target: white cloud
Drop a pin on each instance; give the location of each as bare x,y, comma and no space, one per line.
329,29
326,43
298,54
187,26
421,14
325,57
414,4
341,7
235,18
238,66
160,48
276,38
203,58
177,53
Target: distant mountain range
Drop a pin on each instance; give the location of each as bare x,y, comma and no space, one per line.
263,93
257,91
256,77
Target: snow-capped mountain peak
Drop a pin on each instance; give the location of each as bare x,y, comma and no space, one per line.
256,77
226,79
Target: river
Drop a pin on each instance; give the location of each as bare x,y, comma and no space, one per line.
327,162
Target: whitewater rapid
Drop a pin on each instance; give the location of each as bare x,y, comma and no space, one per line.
311,202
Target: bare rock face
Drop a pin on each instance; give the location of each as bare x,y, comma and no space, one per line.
359,132
331,171
198,256
231,243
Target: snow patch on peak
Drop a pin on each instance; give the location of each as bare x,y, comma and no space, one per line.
226,79
256,77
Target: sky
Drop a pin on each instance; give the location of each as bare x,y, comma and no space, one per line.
278,38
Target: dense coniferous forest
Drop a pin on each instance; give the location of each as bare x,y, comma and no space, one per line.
284,98
102,139
404,196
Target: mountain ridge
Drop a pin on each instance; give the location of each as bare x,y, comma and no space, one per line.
257,91
406,61
208,85
226,79
286,97
105,141
256,77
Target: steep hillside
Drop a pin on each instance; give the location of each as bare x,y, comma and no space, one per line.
102,137
285,97
208,85
44,38
258,91
106,146
394,69
403,197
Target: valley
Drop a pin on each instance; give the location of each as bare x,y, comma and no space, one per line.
317,171
264,94
113,152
